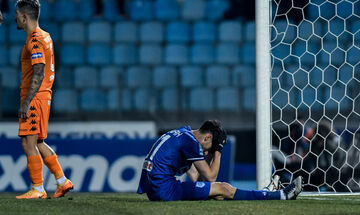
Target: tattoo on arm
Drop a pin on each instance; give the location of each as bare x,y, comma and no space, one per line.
36,82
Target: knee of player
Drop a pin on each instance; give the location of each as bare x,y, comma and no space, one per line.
227,190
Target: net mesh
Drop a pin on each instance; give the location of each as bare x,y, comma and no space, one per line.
315,54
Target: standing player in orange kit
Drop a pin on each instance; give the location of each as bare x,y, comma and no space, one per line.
38,73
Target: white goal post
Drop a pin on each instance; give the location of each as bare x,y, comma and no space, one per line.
263,75
308,93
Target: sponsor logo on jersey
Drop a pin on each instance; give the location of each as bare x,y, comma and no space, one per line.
36,55
200,184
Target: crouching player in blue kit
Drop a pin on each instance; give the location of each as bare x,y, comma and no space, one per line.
198,153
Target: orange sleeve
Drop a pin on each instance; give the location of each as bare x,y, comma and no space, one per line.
37,51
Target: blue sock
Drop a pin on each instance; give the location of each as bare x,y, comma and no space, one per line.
256,195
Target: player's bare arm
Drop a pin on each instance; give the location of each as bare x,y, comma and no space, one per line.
1,18
193,174
35,84
206,171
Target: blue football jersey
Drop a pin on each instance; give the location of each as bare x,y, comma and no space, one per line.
172,154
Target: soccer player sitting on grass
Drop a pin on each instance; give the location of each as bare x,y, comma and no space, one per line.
198,153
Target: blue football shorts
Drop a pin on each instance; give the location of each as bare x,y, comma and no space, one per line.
189,190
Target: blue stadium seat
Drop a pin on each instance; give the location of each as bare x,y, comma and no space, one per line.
249,99
151,32
125,54
337,57
100,32
64,77
92,100
14,54
10,77
248,53
99,54
72,54
228,99
191,76
228,53
244,76
176,54
65,101
150,54
126,100
8,103
85,77
201,99
4,55
141,10
143,100
337,93
65,10
329,46
327,10
113,99
126,32
111,76
3,33
138,77
215,9
282,50
230,31
53,29
165,76
355,26
280,25
110,10
352,56
204,32
305,29
193,9
15,35
170,100
218,76
86,10
250,31
202,53
9,18
46,10
73,32
178,32
166,10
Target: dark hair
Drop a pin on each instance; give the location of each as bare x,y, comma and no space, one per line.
29,7
214,127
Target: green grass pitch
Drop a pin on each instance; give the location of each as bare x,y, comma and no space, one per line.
130,203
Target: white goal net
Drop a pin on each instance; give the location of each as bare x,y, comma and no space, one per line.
315,99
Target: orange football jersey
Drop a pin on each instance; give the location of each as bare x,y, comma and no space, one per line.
38,49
